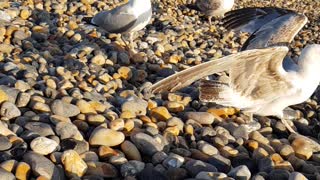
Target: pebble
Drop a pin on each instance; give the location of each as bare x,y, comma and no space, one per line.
43,129
106,137
6,175
194,167
131,151
135,106
146,144
43,145
204,118
64,109
5,144
302,148
240,172
131,168
101,169
207,148
210,175
42,166
297,176
173,161
9,165
73,164
160,113
9,110
68,130
23,171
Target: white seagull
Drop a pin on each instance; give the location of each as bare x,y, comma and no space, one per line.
125,19
262,79
213,8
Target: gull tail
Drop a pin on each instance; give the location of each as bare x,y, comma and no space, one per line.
193,7
88,20
215,91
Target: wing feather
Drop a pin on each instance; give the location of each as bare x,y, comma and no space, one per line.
190,75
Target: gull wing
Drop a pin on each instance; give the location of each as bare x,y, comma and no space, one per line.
117,20
190,75
261,78
268,26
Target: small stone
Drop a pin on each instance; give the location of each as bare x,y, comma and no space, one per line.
102,169
43,129
76,145
9,110
207,148
136,106
221,163
41,107
106,137
125,72
43,145
160,113
210,175
85,107
175,106
90,156
68,130
117,124
146,144
204,118
6,175
23,99
132,168
279,174
257,136
240,172
73,164
3,96
23,171
158,157
297,176
5,144
173,161
131,151
106,152
42,166
25,14
286,151
98,59
302,148
194,167
64,109
9,165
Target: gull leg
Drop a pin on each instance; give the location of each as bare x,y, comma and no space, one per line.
285,122
209,18
124,41
131,42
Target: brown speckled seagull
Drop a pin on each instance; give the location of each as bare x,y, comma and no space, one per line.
262,79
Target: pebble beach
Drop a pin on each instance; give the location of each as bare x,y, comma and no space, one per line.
73,102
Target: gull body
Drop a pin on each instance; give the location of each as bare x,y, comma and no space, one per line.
262,79
214,8
124,19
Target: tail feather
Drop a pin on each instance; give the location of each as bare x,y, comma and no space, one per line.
88,20
193,7
215,91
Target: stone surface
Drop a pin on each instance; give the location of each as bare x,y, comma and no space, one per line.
43,145
73,164
106,137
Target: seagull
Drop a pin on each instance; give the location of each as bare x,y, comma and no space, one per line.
262,79
212,8
124,19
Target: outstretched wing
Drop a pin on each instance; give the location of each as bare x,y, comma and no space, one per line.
190,75
261,78
268,26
